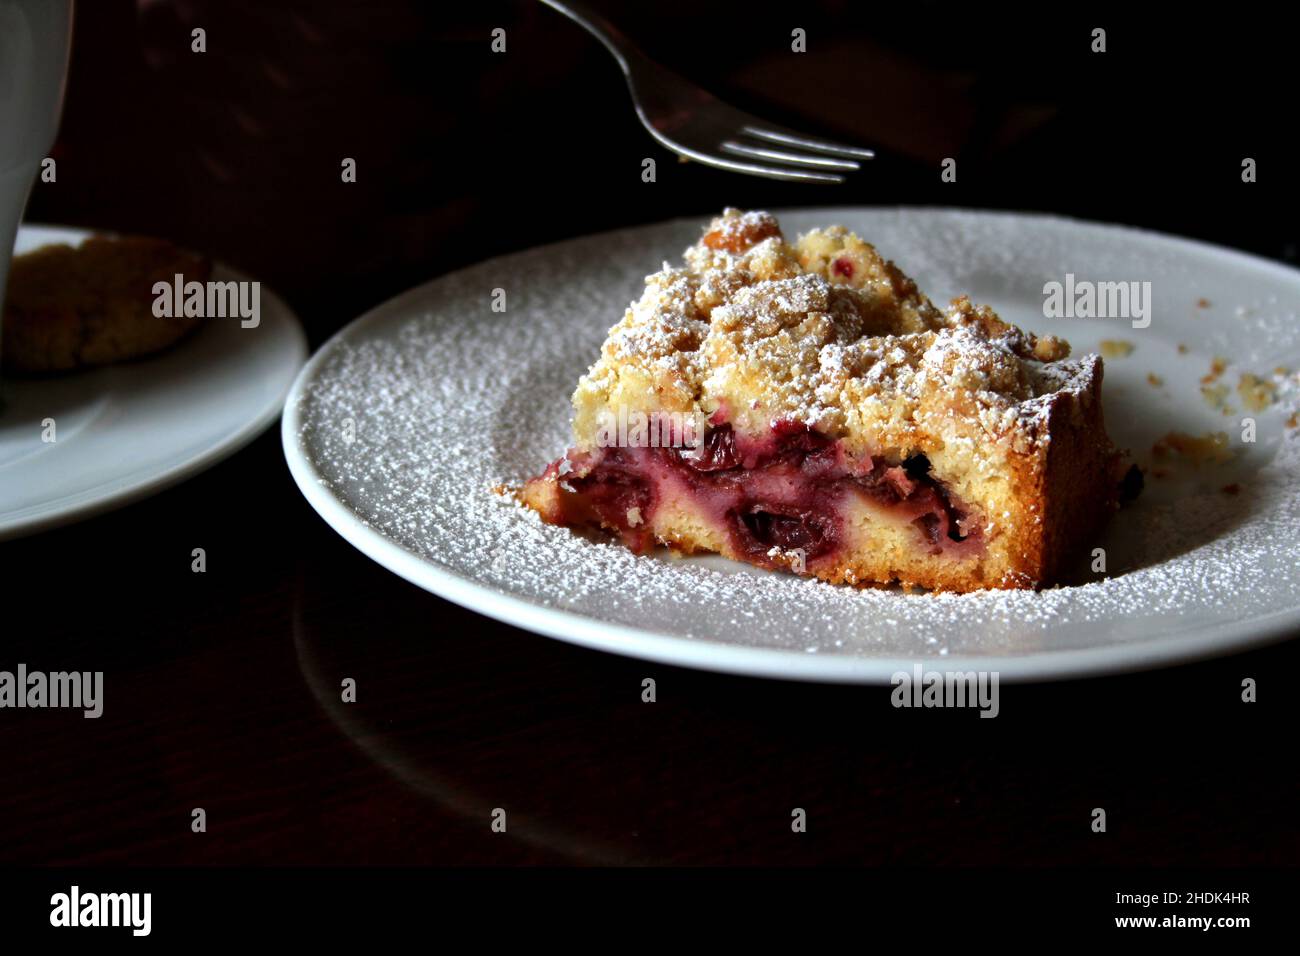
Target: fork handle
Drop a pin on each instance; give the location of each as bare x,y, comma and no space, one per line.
595,23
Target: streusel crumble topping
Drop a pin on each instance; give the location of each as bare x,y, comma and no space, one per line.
830,335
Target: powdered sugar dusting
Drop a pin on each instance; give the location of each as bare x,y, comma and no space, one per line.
412,418
823,330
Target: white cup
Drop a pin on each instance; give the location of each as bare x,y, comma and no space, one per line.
34,40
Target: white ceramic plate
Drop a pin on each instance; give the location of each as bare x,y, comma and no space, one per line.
399,427
129,430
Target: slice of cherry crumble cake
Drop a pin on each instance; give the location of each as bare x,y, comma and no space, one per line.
803,406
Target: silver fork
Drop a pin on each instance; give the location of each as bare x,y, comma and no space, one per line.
694,124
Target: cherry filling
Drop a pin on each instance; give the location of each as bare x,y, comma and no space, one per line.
781,495
718,452
912,489
616,493
808,531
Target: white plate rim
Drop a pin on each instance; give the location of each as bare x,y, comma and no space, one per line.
151,481
1197,643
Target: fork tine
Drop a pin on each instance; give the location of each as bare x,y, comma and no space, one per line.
825,146
781,156
736,166
771,172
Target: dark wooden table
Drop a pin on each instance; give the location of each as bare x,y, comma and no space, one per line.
223,688
223,691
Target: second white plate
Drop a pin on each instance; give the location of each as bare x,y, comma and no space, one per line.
129,430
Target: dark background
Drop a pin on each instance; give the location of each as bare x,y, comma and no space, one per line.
221,687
